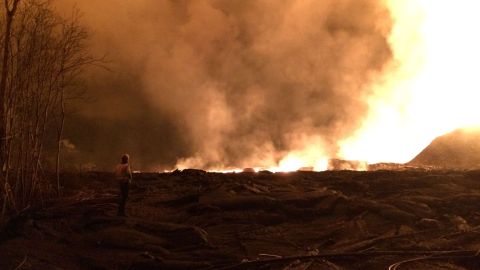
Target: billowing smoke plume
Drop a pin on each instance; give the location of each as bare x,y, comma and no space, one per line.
227,83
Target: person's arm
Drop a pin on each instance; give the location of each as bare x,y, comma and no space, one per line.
129,173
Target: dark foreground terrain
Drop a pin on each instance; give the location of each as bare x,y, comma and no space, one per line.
294,221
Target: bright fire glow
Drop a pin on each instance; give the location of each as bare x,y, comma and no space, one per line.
292,163
433,86
289,164
309,154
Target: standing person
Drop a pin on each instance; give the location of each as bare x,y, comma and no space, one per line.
123,175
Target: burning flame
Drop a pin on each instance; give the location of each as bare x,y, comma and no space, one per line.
432,88
294,162
308,154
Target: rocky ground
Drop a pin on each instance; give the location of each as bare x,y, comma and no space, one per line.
290,221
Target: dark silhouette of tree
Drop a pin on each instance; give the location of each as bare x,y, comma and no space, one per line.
43,57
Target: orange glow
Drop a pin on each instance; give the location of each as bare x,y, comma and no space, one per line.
308,153
292,163
432,88
227,170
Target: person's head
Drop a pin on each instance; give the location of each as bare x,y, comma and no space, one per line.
125,158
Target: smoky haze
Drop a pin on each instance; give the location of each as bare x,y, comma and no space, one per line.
225,83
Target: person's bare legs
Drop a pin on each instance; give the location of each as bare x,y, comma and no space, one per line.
123,199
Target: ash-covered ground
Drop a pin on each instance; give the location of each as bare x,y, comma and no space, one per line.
303,220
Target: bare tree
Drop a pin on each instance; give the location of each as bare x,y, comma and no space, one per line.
10,10
45,56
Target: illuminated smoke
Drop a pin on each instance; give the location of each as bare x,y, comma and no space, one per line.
430,89
228,84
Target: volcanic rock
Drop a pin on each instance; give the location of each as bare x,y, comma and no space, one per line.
202,220
340,164
459,149
306,169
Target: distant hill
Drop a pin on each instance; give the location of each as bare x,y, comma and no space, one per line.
459,149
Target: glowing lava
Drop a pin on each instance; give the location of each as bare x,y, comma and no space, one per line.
432,87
